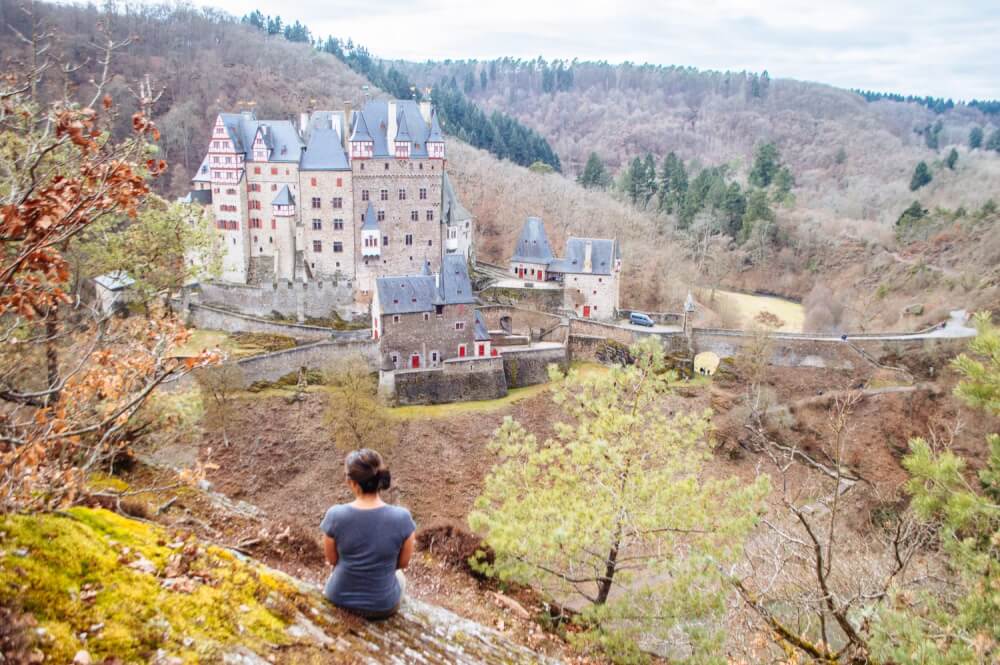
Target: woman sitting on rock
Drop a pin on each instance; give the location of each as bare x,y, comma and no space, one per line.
368,542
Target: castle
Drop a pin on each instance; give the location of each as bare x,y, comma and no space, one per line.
351,195
588,274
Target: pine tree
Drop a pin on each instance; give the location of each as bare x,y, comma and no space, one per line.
975,138
952,159
482,79
765,165
594,175
993,143
615,508
648,178
921,176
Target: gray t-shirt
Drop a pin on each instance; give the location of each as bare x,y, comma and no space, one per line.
368,544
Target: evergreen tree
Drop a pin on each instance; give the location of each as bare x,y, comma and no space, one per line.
962,626
636,182
993,143
783,183
952,158
256,19
616,508
732,209
975,138
921,176
274,25
673,184
648,178
482,79
914,213
594,175
470,82
765,165
758,212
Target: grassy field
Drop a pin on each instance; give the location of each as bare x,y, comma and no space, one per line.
747,306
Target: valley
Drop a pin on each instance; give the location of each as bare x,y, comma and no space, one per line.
238,251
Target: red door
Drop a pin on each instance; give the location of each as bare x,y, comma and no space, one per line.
415,361
461,351
482,349
586,311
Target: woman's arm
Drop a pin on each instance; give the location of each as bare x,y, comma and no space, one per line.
330,550
405,552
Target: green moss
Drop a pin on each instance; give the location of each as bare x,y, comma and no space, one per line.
68,557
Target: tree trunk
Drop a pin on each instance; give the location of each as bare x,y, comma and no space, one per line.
52,354
604,586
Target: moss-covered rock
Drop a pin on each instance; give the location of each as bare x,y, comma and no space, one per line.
121,588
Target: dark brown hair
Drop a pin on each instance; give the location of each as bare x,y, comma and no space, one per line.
366,468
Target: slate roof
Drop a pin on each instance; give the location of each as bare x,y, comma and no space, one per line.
452,210
533,245
281,137
202,196
602,257
417,293
202,174
371,220
284,197
324,152
435,136
360,132
481,333
402,133
372,120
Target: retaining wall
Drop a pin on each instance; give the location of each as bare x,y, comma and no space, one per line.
317,355
527,367
316,299
544,299
215,318
526,321
455,381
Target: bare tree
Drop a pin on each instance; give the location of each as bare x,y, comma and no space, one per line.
219,386
357,418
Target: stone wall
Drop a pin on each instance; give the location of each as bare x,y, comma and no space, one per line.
525,321
455,381
432,337
317,355
597,293
326,262
542,299
310,299
527,367
215,318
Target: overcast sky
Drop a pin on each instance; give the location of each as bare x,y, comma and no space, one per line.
947,48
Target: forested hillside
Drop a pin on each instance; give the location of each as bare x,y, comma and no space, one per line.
850,157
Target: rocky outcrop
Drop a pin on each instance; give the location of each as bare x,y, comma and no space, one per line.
101,586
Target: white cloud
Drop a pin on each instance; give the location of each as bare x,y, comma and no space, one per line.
909,46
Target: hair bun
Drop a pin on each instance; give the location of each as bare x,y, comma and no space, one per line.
384,479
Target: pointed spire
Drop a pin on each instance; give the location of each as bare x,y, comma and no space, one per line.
370,221
435,136
402,132
360,129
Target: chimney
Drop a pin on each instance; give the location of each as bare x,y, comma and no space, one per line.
437,281
425,111
588,254
390,128
303,123
347,124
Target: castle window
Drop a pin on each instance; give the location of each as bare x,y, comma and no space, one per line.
423,193
364,194
338,225
384,195
338,247
439,310
274,224
459,325
362,166
395,318
402,195
386,166
340,182
338,203
427,316
274,170
381,215
317,246
385,241
274,187
317,202
430,215
312,181
434,357
421,166
430,243
414,216
317,225
408,240
395,360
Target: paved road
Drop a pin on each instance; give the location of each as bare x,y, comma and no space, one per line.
658,328
955,327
